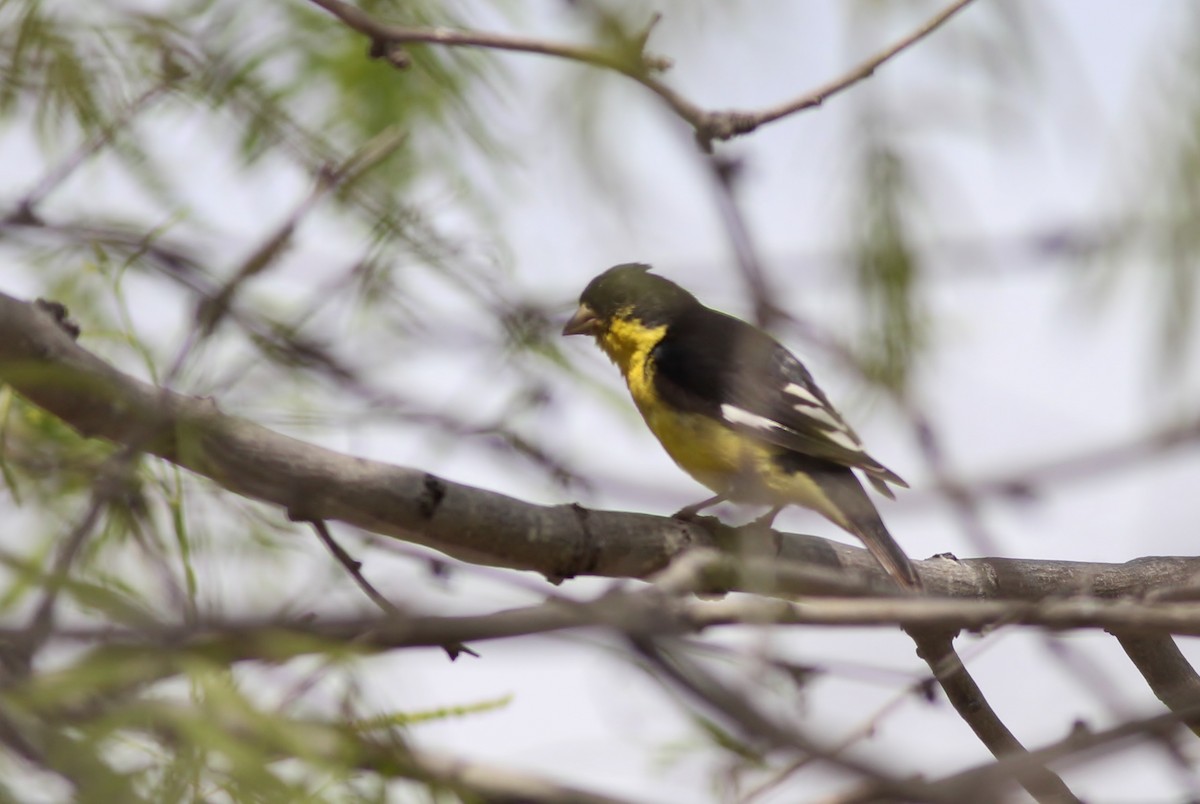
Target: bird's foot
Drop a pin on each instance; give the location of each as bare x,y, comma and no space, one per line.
688,513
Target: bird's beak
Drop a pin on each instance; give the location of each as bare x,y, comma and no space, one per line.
584,322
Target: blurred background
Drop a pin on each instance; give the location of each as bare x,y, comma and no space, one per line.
985,253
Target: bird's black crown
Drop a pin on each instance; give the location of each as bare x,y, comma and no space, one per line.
631,289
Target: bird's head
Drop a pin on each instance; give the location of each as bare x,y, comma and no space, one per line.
627,294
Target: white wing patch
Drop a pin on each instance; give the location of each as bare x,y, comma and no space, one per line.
844,439
838,435
806,396
814,408
736,415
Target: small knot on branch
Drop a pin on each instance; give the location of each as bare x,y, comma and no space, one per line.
391,52
657,64
58,311
727,125
650,63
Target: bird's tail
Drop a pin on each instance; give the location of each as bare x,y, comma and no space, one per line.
854,511
868,527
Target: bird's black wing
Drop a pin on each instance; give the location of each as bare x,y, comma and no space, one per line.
711,363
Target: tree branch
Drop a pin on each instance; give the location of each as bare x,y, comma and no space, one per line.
41,361
647,612
354,568
936,647
631,61
1025,482
26,207
209,311
1166,670
975,783
757,726
861,72
964,786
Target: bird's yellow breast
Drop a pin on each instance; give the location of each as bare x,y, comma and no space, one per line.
719,457
702,446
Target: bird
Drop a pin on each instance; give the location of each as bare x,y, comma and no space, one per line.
735,409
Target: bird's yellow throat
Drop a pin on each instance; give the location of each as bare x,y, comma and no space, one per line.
627,342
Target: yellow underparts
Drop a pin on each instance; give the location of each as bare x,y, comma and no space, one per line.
732,464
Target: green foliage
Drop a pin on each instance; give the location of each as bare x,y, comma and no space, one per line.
42,458
723,739
438,93
888,265
45,65
223,738
391,720
1159,233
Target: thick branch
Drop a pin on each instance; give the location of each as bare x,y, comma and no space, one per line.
41,361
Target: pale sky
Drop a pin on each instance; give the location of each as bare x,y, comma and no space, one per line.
1024,368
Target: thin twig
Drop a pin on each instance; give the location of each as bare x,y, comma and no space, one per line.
863,71
1023,483
385,33
354,567
1165,668
632,62
110,482
211,310
725,173
755,725
1075,745
937,649
648,611
53,178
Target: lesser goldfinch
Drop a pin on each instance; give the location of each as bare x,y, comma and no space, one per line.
735,409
